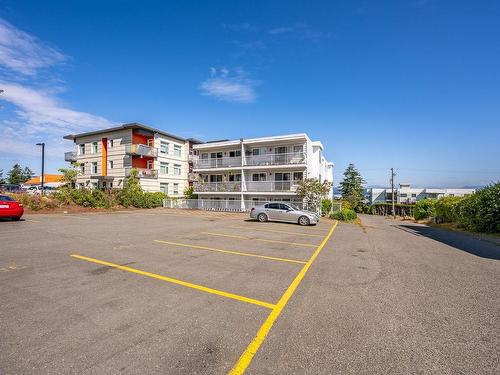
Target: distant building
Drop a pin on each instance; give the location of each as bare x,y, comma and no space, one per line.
54,180
406,194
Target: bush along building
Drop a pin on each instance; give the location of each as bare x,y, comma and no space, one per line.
105,158
405,194
244,172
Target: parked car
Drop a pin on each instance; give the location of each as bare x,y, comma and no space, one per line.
10,188
284,211
37,189
10,208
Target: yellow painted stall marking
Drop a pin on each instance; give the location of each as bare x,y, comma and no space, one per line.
276,231
247,356
178,282
259,239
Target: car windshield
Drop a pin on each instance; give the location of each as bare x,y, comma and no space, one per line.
6,198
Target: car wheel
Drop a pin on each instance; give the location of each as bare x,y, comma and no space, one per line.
304,220
262,217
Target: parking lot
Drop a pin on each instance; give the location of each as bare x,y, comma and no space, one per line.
190,292
158,291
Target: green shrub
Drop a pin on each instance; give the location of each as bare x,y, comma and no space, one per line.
345,214
481,211
446,209
326,205
424,209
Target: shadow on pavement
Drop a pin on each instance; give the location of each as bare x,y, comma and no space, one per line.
464,242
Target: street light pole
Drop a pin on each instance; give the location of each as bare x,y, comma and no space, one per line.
42,176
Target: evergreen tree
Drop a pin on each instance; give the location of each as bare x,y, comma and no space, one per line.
352,188
2,181
27,174
15,175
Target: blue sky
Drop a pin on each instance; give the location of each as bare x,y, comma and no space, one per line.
409,84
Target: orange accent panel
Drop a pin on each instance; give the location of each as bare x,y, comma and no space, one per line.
104,157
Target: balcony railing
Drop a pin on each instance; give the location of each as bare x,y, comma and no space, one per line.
226,162
276,159
70,156
142,172
141,150
258,186
203,187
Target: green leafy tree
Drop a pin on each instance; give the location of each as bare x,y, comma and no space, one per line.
352,188
2,181
313,191
69,176
15,175
189,193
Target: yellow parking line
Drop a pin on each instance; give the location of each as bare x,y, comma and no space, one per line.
232,252
247,356
178,282
258,239
276,231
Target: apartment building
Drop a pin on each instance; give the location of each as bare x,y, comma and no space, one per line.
247,171
106,157
409,195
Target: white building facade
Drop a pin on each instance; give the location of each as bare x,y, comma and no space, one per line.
106,157
406,194
249,171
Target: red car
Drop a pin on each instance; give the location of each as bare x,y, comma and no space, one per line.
10,208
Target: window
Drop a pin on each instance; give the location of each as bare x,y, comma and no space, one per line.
164,147
177,150
273,206
284,207
177,170
94,168
149,164
404,195
111,143
110,164
204,155
414,195
216,155
163,168
164,187
215,178
82,168
111,184
297,176
94,147
259,177
298,149
234,154
150,142
256,151
235,177
81,149
176,189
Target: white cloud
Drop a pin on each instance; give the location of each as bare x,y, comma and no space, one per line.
229,87
23,53
35,112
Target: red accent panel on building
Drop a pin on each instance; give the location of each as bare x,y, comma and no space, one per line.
140,139
138,162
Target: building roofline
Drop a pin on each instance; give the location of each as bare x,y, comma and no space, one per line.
131,125
225,143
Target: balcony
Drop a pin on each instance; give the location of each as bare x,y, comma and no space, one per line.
276,159
192,177
220,187
70,156
143,172
227,162
271,186
141,150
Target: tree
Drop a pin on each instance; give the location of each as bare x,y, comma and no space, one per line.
15,175
189,193
352,188
69,176
2,181
27,174
313,191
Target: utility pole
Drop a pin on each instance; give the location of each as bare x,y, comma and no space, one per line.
42,176
392,191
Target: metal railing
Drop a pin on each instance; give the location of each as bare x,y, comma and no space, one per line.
217,186
224,162
276,159
227,205
143,172
141,150
271,186
70,156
